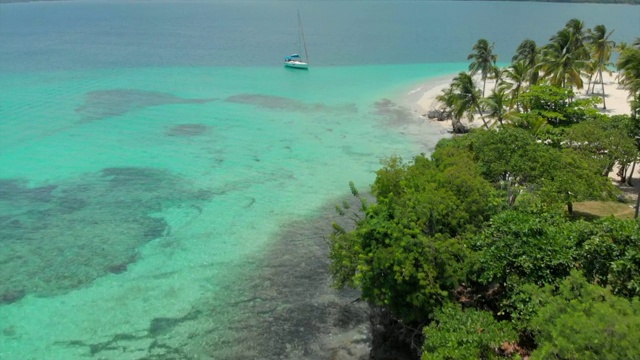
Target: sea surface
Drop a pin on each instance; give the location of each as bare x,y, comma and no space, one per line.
167,187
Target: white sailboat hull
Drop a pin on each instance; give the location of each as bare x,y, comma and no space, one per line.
294,61
296,65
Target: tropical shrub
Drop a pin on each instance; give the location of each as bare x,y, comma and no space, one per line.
466,334
578,320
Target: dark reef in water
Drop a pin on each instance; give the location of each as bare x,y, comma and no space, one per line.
188,130
60,237
291,310
393,113
102,104
282,103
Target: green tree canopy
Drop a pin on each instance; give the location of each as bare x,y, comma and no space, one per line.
404,254
583,321
465,334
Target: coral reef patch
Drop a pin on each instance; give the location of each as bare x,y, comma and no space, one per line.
60,237
282,103
102,104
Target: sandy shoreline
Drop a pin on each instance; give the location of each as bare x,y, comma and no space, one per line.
425,98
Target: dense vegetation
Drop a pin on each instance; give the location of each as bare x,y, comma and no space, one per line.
476,250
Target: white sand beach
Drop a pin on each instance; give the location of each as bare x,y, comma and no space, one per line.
617,103
616,97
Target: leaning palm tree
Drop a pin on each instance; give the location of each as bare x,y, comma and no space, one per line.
468,96
528,52
483,60
601,49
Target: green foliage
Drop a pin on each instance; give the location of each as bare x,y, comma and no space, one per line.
629,126
534,124
389,178
482,222
525,248
520,248
629,65
465,334
555,105
557,176
403,254
549,102
344,252
583,321
610,140
573,177
610,255
508,152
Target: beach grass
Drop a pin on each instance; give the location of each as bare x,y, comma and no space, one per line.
594,209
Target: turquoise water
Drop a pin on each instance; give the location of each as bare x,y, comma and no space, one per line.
134,194
166,187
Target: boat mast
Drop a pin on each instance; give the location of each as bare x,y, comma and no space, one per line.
306,54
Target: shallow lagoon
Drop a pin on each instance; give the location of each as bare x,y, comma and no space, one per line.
167,187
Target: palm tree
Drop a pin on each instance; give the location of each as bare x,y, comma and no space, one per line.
483,60
590,69
622,46
528,52
453,108
468,96
517,75
601,49
629,66
496,74
496,105
534,123
576,27
561,60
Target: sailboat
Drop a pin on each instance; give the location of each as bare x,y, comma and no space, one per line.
295,61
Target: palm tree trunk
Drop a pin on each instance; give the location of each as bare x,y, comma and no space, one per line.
457,127
604,102
482,117
484,84
637,204
486,125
